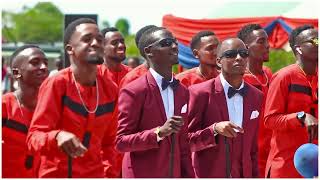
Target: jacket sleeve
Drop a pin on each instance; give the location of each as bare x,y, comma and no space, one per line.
111,157
129,138
254,148
186,163
275,117
43,129
199,138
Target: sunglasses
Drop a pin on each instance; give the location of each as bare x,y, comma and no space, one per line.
244,53
313,41
166,42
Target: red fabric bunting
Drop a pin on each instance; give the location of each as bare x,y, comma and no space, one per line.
184,29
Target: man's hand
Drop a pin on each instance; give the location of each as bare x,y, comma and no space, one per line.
311,124
172,125
227,128
70,144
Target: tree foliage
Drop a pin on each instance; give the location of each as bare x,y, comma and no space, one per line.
40,24
279,58
123,26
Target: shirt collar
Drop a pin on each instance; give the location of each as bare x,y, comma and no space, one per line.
158,77
226,85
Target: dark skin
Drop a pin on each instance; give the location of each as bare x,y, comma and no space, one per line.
232,70
161,60
258,46
306,53
30,69
115,50
133,62
206,52
85,50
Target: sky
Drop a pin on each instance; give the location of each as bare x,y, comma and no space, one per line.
138,12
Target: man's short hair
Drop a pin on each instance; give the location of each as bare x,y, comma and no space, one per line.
135,58
197,37
72,27
244,32
19,50
145,39
296,32
108,29
141,31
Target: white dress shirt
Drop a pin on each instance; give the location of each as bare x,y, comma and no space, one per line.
166,95
235,103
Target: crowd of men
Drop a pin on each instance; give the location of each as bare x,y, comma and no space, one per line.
98,118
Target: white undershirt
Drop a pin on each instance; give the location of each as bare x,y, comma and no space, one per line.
166,95
235,103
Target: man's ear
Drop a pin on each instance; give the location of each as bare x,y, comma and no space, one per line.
195,53
16,73
218,61
147,52
69,49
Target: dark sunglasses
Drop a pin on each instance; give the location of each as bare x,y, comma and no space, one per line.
166,42
313,41
244,53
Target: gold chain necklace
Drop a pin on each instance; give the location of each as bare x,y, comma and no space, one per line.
83,104
200,73
265,76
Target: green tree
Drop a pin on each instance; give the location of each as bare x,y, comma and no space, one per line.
123,26
132,50
40,24
279,58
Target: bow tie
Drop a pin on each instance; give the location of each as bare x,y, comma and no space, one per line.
174,84
232,91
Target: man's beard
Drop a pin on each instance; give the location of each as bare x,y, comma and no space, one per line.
118,59
95,59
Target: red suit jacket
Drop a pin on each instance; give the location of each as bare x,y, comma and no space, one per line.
141,111
208,105
265,134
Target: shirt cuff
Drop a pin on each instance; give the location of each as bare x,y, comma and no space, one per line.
157,133
215,133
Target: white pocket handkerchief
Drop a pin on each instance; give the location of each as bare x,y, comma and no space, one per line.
184,109
254,114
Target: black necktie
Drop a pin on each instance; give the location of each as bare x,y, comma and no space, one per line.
174,84
232,91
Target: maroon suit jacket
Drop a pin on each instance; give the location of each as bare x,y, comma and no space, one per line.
208,105
141,111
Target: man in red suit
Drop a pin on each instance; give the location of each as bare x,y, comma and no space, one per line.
224,118
292,104
141,69
256,39
114,54
152,110
74,124
204,47
30,68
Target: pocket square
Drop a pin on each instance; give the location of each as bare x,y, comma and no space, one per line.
254,114
184,109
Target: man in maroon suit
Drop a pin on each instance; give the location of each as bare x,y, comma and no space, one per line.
224,118
152,109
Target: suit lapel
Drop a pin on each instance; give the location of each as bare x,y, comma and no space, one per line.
246,108
177,101
156,92
221,99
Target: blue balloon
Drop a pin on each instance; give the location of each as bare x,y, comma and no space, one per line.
306,160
